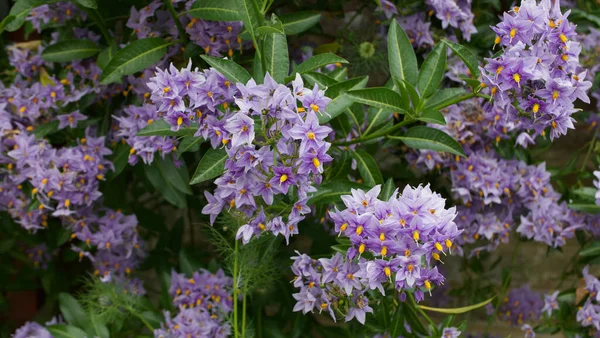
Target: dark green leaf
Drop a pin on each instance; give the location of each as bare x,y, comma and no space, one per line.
45,129
211,165
250,15
402,58
266,30
162,128
69,50
470,60
98,327
412,93
368,168
388,189
339,74
397,324
8,19
421,137
331,191
19,12
189,143
275,53
432,116
589,208
231,70
105,55
319,78
187,264
381,115
167,190
432,71
71,310
119,158
172,175
66,331
340,168
591,250
316,62
217,10
88,3
135,57
379,97
340,103
298,22
442,96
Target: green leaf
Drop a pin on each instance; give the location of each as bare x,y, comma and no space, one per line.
187,264
172,175
432,116
135,57
319,78
331,191
88,3
266,30
298,22
586,193
397,324
189,143
257,69
231,70
339,74
401,56
340,168
162,128
105,55
421,137
589,208
315,62
216,10
432,70
69,50
578,13
119,159
167,190
379,97
19,12
591,250
98,327
380,115
457,310
388,189
66,331
71,310
250,15
442,96
8,19
45,129
409,89
340,103
470,60
211,165
275,53
368,168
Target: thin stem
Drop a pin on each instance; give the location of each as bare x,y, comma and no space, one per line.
235,290
142,319
97,18
171,9
358,12
380,133
244,316
419,310
587,156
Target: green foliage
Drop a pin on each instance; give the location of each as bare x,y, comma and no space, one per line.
135,57
422,137
69,50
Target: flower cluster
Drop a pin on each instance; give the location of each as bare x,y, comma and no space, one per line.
406,236
54,13
40,256
417,30
497,193
204,302
454,13
521,305
538,77
273,139
32,329
589,313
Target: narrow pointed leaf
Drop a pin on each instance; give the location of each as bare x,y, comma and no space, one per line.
458,310
69,50
442,97
172,174
421,137
432,71
470,60
66,331
275,52
88,3
72,310
252,18
339,102
216,10
296,23
368,168
388,189
381,115
189,143
231,70
330,191
402,58
432,116
316,62
379,97
321,79
211,165
167,190
135,57
8,19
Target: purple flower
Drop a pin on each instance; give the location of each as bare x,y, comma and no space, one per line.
70,119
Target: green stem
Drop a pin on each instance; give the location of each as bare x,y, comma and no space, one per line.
142,319
244,316
587,156
419,310
380,133
97,18
235,290
504,288
171,9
